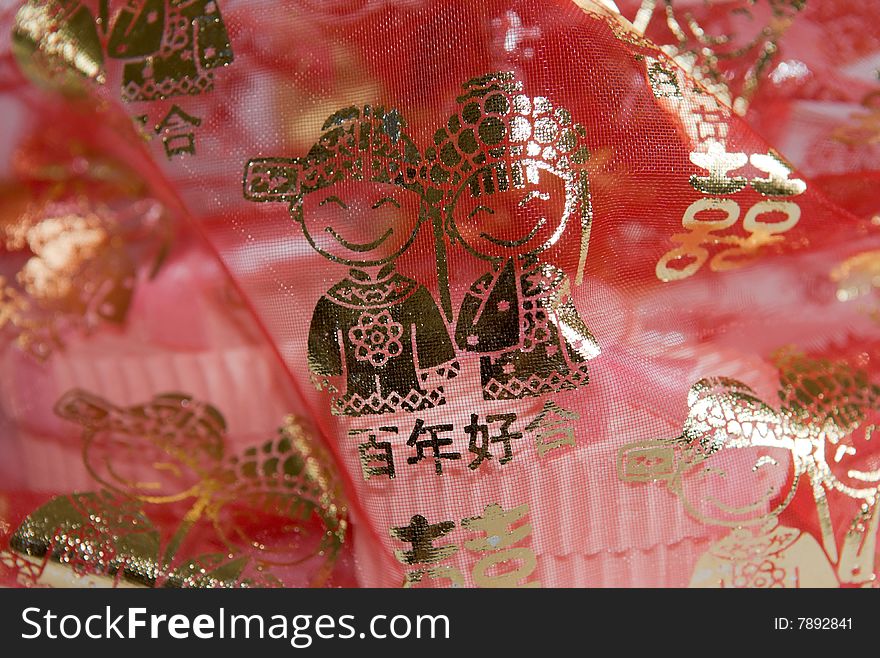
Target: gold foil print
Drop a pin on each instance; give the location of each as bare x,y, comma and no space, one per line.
832,400
171,48
377,341
475,440
502,563
170,450
647,462
377,457
778,182
553,428
292,475
523,158
664,82
496,541
177,132
777,557
493,525
862,128
686,260
859,550
725,415
824,407
718,162
422,535
706,56
857,276
488,563
702,102
77,274
436,574
56,42
703,223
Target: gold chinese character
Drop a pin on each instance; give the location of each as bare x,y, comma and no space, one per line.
553,428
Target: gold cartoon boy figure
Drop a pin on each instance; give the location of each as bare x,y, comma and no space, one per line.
737,464
513,170
377,340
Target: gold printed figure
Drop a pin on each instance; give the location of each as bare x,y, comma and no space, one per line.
737,464
172,450
172,47
377,339
513,171
838,405
553,428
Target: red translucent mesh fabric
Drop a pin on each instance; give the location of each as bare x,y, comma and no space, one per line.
434,293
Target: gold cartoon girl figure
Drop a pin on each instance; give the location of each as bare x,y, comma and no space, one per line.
513,170
377,340
838,406
737,464
173,47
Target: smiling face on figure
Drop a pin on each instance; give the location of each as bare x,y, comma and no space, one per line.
506,211
157,453
853,457
145,468
738,486
359,223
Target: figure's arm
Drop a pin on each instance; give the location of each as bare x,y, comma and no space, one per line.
466,336
434,352
325,352
579,341
213,40
137,31
488,320
857,555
